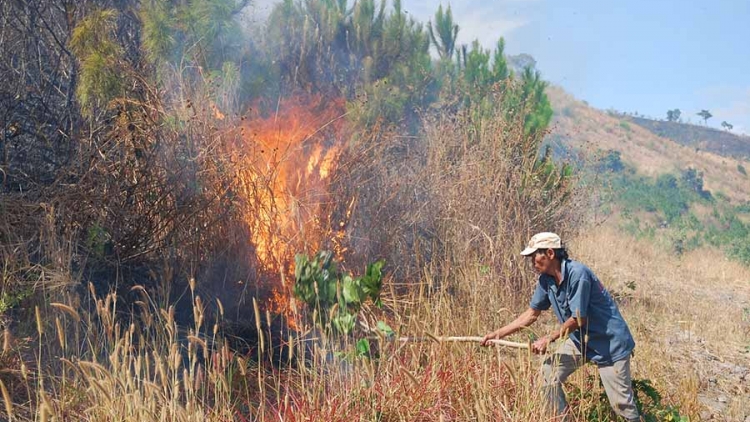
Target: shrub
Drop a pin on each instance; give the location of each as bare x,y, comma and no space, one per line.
335,298
612,161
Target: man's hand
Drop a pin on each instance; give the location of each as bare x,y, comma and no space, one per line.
491,336
524,320
540,346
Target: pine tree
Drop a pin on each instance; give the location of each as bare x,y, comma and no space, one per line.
100,57
534,101
157,35
500,70
447,32
705,115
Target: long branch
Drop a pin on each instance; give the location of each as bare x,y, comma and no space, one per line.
465,339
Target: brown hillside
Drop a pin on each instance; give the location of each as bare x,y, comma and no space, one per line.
592,131
720,142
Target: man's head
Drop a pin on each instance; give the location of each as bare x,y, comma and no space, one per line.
543,250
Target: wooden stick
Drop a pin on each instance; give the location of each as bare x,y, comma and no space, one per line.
468,339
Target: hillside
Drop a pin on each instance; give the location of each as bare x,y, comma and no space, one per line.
719,142
579,127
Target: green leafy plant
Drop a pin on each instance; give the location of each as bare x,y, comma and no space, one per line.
647,399
334,297
97,240
12,299
649,402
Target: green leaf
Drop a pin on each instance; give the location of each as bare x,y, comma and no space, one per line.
300,262
372,282
352,291
384,328
375,268
363,347
344,323
327,290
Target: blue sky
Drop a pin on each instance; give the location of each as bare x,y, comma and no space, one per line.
645,56
631,55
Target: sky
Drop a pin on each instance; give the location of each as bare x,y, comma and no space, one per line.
645,56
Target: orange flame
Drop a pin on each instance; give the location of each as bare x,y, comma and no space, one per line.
285,162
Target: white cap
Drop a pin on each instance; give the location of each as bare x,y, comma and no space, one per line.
544,240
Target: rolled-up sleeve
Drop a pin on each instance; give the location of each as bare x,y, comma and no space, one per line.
540,300
580,292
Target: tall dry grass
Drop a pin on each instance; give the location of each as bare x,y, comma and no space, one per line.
155,370
88,366
464,193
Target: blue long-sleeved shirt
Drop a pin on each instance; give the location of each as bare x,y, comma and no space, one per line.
581,294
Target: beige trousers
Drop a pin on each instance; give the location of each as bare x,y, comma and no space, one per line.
615,378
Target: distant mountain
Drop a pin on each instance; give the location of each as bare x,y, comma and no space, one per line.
709,139
581,132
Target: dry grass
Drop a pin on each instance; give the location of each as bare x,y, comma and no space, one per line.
154,370
151,372
452,198
689,315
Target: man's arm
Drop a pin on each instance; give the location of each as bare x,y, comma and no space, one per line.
572,324
527,318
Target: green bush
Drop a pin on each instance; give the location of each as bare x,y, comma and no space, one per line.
666,195
612,161
671,199
13,298
335,298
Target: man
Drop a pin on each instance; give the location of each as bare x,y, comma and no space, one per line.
592,327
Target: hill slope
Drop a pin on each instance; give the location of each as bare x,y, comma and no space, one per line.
720,142
582,128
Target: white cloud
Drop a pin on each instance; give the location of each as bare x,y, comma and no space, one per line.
486,28
477,20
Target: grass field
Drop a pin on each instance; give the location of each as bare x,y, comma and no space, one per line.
696,355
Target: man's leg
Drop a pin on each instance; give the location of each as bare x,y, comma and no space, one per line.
555,370
619,388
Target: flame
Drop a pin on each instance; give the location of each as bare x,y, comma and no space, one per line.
285,162
217,113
